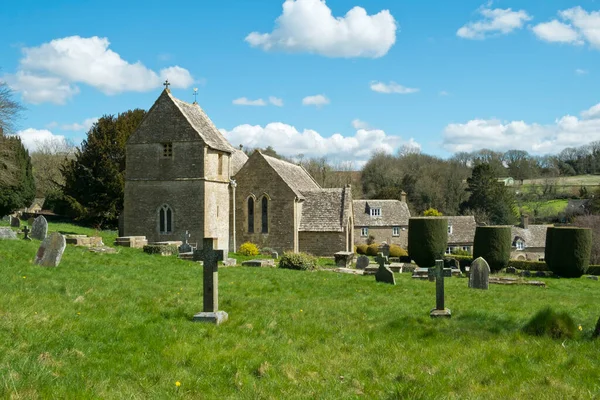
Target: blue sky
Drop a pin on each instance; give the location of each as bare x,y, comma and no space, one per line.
311,79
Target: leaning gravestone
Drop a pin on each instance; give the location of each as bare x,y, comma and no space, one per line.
479,277
51,250
384,273
7,234
15,222
39,228
362,262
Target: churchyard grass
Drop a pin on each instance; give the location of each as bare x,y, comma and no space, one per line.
117,326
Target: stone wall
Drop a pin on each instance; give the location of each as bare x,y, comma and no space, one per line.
383,234
322,243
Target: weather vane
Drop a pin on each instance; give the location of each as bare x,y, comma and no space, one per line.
195,95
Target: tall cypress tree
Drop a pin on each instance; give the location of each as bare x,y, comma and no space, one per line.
17,186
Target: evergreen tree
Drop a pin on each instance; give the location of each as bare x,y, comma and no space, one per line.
17,185
94,180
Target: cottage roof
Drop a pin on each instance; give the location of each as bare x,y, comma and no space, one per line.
238,159
463,229
200,122
533,236
326,210
393,213
296,177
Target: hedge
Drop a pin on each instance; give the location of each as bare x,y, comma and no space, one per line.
372,249
397,251
570,251
493,243
464,261
427,240
298,261
361,249
528,265
549,249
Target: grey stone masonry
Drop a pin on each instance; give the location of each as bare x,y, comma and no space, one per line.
479,276
39,228
51,250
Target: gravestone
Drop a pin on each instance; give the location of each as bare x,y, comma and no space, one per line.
362,262
15,222
479,277
7,234
440,311
39,228
384,273
51,250
210,258
385,249
274,255
26,234
185,246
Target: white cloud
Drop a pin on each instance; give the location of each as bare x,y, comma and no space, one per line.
579,27
495,22
317,100
309,26
276,101
84,126
243,101
444,93
358,124
50,72
290,142
31,138
567,131
580,71
391,87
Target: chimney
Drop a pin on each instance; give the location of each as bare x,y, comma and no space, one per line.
525,221
403,196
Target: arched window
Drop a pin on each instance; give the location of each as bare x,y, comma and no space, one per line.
250,215
165,219
265,215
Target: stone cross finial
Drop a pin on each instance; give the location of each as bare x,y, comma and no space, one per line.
211,258
166,84
440,310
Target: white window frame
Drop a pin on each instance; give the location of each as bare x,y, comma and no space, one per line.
520,245
395,231
466,248
364,232
449,250
449,229
376,212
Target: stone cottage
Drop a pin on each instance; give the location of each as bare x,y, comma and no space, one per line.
383,220
528,241
461,233
279,205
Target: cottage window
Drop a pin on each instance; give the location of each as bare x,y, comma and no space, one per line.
165,219
466,248
375,212
396,231
250,215
364,232
265,215
520,245
167,150
449,229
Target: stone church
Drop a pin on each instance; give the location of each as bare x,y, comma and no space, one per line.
183,175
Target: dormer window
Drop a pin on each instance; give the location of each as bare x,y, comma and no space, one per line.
167,150
449,229
375,212
520,245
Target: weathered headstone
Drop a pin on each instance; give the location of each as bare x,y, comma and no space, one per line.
440,310
39,228
211,258
7,234
185,246
479,277
274,255
26,234
51,250
15,222
362,262
384,273
385,249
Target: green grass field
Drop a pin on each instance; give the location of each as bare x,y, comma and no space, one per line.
544,208
119,326
578,180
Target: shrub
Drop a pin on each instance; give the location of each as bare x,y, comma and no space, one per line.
397,251
549,249
427,240
370,240
432,212
528,265
493,243
248,249
594,270
361,249
165,249
550,323
298,261
372,249
460,252
570,251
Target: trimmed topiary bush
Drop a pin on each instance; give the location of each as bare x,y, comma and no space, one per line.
372,249
248,249
570,251
361,249
397,251
427,240
298,261
549,249
550,323
493,243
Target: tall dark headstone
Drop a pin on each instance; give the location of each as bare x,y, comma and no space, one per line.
210,258
384,273
440,310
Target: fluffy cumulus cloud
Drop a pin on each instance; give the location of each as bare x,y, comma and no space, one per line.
32,138
317,100
567,131
391,87
496,21
78,127
358,124
244,101
309,26
290,142
50,72
574,26
276,101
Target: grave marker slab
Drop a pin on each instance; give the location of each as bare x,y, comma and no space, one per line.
362,262
440,311
479,275
51,250
384,273
7,234
210,258
343,259
39,228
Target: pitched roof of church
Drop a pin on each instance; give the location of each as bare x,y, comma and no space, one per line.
326,210
238,159
200,122
296,177
393,213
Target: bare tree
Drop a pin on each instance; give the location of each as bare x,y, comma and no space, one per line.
47,161
9,109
